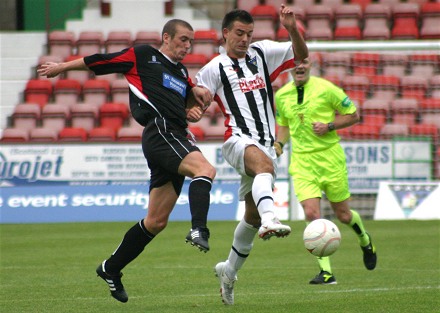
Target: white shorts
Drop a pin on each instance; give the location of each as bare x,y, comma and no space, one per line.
233,152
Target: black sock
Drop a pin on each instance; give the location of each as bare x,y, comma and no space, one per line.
134,242
199,198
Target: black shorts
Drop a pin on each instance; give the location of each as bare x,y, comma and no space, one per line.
164,146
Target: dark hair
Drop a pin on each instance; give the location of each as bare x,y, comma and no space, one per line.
236,15
171,26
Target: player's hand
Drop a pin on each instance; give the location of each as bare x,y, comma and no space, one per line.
202,97
194,114
287,17
278,149
50,69
320,128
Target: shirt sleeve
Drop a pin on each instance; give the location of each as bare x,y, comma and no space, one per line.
341,102
279,55
209,77
118,62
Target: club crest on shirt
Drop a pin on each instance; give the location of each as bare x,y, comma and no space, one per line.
253,61
154,60
254,83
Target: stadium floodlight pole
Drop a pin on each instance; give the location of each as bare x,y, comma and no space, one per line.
375,45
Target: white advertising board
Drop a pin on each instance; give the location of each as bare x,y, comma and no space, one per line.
408,200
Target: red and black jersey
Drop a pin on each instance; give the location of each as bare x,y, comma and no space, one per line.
158,87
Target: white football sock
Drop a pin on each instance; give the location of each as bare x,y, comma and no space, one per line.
241,247
263,196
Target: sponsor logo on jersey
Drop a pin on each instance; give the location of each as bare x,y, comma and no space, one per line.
249,84
174,83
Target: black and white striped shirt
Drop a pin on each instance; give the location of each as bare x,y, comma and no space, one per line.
242,88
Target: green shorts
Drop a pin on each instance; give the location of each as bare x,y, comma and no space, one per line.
317,172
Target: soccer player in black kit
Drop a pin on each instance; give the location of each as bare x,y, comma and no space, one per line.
162,98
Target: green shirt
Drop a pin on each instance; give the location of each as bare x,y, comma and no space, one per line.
321,100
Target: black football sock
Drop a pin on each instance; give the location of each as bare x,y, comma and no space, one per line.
199,198
134,242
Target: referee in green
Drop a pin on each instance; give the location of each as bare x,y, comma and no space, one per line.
306,114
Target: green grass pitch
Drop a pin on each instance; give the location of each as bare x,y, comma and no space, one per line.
51,268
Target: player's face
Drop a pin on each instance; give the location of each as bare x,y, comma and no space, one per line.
301,73
238,39
179,46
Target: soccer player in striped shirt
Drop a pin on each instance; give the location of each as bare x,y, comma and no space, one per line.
306,114
240,81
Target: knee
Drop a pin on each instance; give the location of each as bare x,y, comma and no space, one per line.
311,213
155,226
344,216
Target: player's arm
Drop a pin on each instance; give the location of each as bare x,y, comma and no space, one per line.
288,20
52,69
341,121
283,136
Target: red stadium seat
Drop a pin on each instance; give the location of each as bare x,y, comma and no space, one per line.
348,33
132,134
38,91
193,63
119,91
348,15
84,115
429,130
67,91
113,115
376,106
71,134
362,131
430,105
414,87
365,63
96,91
11,135
102,134
151,38
43,135
205,42
55,116
90,42
26,116
117,41
61,43
389,131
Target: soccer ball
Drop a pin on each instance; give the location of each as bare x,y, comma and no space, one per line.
322,237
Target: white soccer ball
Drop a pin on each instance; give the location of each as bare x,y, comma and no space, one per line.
322,237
